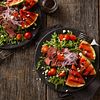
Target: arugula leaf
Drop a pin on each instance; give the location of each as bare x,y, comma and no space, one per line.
3,36
40,63
2,3
54,41
56,81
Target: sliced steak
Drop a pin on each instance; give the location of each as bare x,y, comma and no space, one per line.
11,25
54,62
47,61
51,52
10,32
9,28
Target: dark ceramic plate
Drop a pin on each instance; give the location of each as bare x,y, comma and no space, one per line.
38,54
36,9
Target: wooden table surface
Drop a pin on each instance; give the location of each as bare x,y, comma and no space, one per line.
19,80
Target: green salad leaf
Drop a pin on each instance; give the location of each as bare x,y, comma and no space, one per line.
57,81
3,36
55,42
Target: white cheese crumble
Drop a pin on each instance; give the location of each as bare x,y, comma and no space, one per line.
64,31
66,90
68,31
80,54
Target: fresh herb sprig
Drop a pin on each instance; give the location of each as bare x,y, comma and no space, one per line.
3,36
53,42
57,81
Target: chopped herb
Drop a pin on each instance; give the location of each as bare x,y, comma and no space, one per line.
2,3
54,41
40,63
56,81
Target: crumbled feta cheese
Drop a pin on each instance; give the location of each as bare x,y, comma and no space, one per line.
67,69
42,73
28,15
39,79
12,17
64,38
42,67
45,77
80,54
57,75
78,70
68,31
1,36
66,90
24,7
46,71
85,52
33,27
64,31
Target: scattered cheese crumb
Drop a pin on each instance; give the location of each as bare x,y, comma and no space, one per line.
12,17
80,54
66,90
64,31
68,31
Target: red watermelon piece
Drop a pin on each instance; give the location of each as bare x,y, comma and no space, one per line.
86,67
27,18
87,50
13,2
74,78
29,4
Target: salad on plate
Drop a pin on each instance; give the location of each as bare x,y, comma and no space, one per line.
66,60
17,20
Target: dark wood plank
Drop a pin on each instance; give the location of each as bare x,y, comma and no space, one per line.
18,80
78,14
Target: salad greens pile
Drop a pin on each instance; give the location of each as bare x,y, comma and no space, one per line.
5,39
3,36
12,31
55,42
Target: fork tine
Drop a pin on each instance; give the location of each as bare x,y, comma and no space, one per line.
83,36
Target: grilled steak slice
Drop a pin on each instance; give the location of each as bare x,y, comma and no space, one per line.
54,62
47,61
51,52
9,28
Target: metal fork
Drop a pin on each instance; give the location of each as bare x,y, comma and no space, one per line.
5,54
83,36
